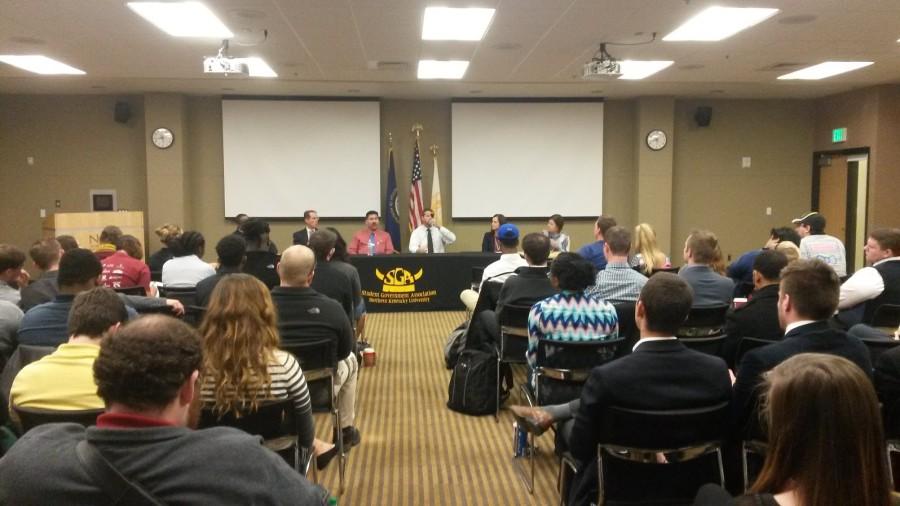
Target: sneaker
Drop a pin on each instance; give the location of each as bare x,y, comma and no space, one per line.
351,436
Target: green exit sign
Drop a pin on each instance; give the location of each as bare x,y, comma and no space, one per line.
839,135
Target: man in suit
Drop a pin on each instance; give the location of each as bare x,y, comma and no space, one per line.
759,317
807,297
710,288
642,380
311,217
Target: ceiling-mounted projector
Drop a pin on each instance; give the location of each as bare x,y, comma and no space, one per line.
223,64
602,66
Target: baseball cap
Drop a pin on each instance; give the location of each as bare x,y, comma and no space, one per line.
507,232
805,219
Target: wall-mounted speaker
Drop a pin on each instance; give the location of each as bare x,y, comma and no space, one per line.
703,116
122,112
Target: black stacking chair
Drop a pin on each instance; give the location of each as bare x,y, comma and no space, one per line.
513,340
704,330
887,316
628,330
132,290
878,346
32,417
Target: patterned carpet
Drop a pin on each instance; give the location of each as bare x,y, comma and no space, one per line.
414,450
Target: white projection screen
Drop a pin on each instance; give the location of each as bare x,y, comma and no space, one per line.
285,156
527,159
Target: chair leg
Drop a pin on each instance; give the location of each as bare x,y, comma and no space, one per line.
342,455
497,410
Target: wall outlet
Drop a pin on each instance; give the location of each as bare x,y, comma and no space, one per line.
768,211
745,162
43,213
58,204
30,160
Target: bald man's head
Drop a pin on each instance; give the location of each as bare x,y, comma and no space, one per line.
297,266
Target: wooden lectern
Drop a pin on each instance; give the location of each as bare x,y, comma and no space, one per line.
86,227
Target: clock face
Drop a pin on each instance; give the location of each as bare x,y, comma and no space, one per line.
656,140
162,138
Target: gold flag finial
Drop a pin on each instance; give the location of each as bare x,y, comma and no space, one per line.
417,129
434,149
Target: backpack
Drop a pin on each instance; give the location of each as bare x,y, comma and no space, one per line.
456,341
473,386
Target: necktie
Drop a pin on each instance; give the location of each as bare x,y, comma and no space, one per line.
372,244
430,241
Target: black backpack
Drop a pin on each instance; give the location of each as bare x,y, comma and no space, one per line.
473,385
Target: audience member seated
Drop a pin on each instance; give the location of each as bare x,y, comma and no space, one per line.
12,274
807,297
125,270
109,241
530,284
815,243
230,250
759,316
642,380
790,250
594,252
340,260
618,282
242,365
430,236
501,269
825,439
10,320
64,380
370,240
887,384
168,235
67,242
187,268
710,289
311,218
330,280
298,304
147,375
741,270
646,255
259,260
877,284
559,242
79,271
489,242
45,255
572,314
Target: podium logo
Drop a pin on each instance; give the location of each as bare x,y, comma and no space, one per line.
398,280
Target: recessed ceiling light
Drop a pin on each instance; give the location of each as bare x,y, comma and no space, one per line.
718,23
447,23
258,67
799,19
826,69
27,40
182,19
39,64
632,70
436,69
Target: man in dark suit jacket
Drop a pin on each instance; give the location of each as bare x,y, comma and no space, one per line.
311,218
807,297
645,379
759,317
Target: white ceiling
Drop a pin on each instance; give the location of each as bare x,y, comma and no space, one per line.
533,48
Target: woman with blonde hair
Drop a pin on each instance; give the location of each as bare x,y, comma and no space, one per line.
646,255
242,365
167,234
826,445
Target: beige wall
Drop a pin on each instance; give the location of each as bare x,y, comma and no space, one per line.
712,191
76,147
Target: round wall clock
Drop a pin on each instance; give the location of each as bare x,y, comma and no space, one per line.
656,140
162,138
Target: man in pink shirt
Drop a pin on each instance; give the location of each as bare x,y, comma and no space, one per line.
371,241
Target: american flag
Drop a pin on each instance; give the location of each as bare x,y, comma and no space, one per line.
416,205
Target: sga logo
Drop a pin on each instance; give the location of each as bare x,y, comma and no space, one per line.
399,279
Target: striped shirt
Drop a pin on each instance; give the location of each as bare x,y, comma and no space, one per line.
618,283
570,316
287,383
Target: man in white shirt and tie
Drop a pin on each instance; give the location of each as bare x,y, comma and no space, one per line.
429,237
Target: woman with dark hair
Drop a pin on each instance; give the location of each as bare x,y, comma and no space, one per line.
242,365
186,268
259,259
570,315
826,445
559,241
341,261
490,243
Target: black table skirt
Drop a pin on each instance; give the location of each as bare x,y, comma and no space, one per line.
411,282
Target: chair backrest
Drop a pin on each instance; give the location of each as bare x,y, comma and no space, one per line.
747,344
878,346
514,319
886,315
488,296
186,295
131,290
628,330
315,347
706,316
656,430
564,366
710,345
672,270
271,419
32,417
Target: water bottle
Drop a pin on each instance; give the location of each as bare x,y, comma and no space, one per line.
521,440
